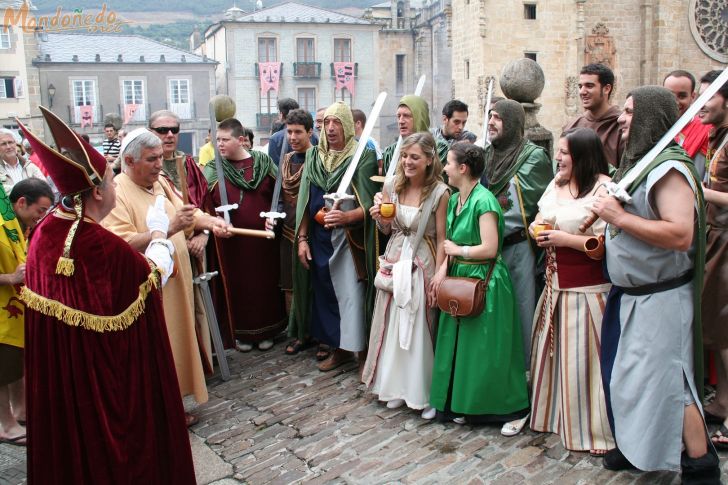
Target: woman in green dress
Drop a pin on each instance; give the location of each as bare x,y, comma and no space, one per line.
479,374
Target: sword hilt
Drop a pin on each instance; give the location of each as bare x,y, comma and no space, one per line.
273,215
613,190
204,277
225,210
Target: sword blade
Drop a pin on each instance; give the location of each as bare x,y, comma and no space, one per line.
485,139
675,130
365,134
218,163
212,323
279,177
395,154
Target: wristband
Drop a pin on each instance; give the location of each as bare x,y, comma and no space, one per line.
466,251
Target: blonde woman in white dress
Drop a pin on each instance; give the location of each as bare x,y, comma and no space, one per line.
399,362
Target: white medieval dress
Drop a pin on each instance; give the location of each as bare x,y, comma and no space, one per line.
401,352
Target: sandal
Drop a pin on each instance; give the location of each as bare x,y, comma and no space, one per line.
720,438
21,440
295,346
323,352
512,428
337,358
598,453
191,419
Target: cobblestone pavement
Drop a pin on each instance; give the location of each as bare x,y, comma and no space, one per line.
279,420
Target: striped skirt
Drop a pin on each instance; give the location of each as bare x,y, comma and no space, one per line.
567,396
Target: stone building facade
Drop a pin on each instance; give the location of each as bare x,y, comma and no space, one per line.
413,40
642,40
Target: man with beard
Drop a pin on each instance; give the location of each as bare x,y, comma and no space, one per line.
651,336
335,253
715,292
694,137
596,83
517,172
412,117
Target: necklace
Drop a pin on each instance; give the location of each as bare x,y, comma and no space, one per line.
461,202
571,194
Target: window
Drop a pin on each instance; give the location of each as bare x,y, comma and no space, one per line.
343,95
5,32
342,50
6,87
307,99
269,102
133,93
11,87
179,98
84,94
267,51
530,55
399,73
304,50
529,11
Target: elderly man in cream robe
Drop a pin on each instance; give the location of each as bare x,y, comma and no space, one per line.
137,187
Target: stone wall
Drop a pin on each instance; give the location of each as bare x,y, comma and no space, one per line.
644,39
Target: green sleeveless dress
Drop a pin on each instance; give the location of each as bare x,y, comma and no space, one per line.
479,368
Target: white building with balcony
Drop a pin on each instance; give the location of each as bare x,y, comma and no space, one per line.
307,41
84,77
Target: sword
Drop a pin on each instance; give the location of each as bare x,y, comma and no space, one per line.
340,193
202,281
619,190
225,208
395,154
273,213
485,139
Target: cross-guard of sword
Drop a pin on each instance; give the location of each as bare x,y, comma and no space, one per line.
620,190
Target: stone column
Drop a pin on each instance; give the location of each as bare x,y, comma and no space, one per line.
522,80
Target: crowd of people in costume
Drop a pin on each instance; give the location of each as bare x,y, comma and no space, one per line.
599,292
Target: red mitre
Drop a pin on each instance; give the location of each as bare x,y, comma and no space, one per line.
74,166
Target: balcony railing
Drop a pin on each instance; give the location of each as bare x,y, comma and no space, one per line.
74,114
264,121
257,71
307,70
356,70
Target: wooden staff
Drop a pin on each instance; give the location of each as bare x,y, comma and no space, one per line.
179,161
252,232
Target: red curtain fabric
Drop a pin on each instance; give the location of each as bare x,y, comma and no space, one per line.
103,407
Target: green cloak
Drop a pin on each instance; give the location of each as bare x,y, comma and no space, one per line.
364,190
534,173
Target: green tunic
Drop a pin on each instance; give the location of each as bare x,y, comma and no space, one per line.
479,365
362,236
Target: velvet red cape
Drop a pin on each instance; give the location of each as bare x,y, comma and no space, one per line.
103,407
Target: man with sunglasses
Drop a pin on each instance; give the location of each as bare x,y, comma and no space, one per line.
165,124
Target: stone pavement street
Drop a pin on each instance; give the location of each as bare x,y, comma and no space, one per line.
279,420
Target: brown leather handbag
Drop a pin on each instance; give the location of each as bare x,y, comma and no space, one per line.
463,297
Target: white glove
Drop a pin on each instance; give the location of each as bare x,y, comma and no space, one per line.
160,251
157,219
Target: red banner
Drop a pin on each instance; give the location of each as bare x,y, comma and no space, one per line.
87,115
270,76
344,74
129,110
